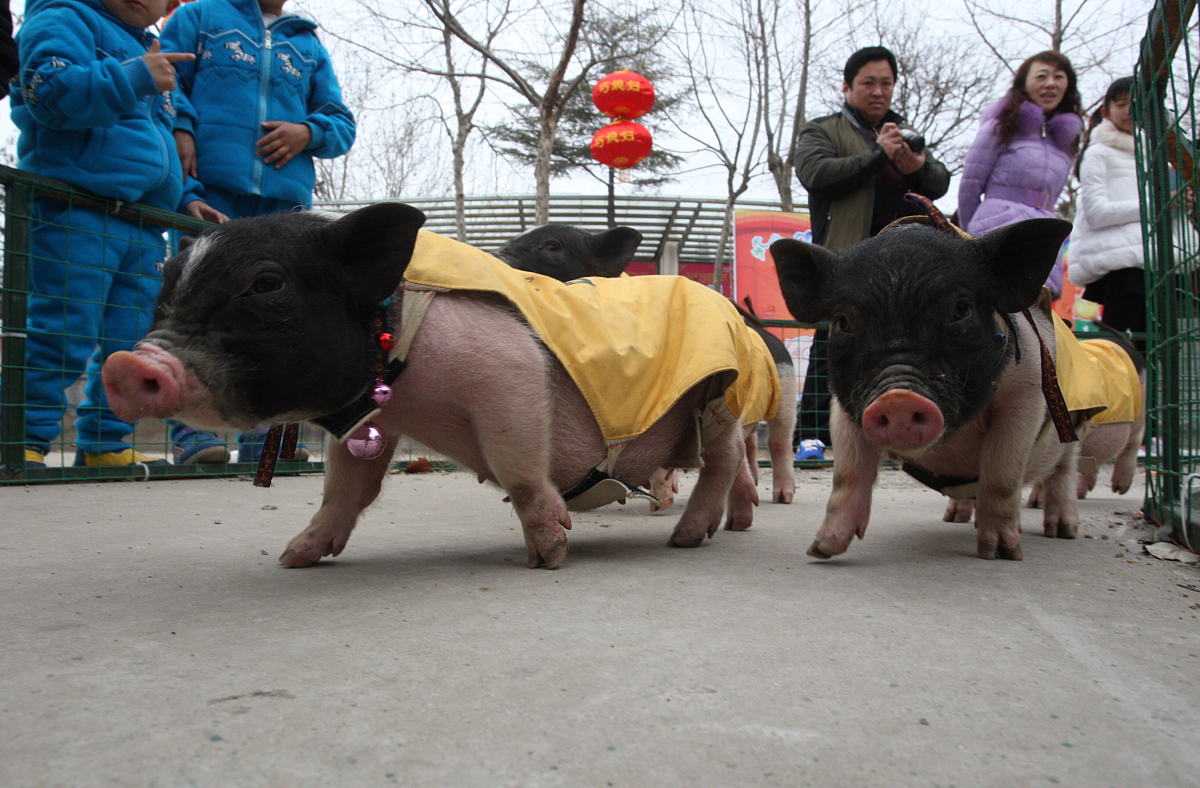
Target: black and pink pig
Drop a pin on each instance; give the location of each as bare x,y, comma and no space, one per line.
277,319
933,364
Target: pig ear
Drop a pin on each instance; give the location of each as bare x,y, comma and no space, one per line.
804,272
613,250
376,245
1019,257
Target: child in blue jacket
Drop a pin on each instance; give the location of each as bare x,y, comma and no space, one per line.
262,100
95,109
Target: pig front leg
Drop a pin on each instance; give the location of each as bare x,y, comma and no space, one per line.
1002,459
1060,495
351,485
724,458
664,486
854,470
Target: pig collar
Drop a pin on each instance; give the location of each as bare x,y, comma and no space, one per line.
342,422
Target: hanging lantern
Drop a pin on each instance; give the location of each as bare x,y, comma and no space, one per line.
623,94
622,144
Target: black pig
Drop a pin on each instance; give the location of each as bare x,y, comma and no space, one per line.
923,366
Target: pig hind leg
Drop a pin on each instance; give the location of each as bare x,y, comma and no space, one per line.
959,510
779,440
351,485
1125,467
724,457
743,495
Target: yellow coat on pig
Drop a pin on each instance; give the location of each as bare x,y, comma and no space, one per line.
633,345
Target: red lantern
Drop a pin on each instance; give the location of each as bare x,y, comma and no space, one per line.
622,144
623,94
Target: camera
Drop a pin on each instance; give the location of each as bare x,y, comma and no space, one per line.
916,142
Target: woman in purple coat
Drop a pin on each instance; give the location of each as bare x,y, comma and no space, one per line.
1021,159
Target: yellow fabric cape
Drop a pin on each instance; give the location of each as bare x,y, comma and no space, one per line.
1096,373
633,345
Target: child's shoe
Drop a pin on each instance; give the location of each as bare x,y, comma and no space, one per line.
250,446
811,449
34,458
114,459
191,446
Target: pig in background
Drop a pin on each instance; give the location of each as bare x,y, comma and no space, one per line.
1111,441
268,319
566,253
923,369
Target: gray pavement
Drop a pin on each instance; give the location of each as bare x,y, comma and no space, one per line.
151,639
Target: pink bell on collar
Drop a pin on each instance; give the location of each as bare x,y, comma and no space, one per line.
367,442
381,394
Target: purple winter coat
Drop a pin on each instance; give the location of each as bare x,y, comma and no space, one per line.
1021,181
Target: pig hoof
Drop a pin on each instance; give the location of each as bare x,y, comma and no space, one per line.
1009,553
784,496
1061,530
295,559
549,557
662,504
825,548
686,539
739,523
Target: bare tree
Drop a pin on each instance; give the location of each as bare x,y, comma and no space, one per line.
721,52
548,101
792,36
1094,34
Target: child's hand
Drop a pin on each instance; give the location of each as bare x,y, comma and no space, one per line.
185,146
283,141
162,66
199,209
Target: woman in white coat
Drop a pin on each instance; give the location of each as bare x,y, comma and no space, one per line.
1106,253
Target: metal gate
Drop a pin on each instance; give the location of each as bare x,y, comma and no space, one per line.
1164,108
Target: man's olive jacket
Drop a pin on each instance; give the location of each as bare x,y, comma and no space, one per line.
837,160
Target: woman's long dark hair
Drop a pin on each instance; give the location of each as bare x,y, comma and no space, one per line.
1010,117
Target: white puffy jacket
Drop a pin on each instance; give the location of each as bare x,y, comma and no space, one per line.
1108,228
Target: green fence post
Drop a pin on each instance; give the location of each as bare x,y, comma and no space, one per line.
14,291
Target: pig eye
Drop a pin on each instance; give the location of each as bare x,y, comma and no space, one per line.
840,323
265,283
552,246
963,310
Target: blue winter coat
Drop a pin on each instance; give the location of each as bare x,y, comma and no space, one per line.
88,110
244,74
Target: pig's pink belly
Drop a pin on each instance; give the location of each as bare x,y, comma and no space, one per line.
576,443
959,457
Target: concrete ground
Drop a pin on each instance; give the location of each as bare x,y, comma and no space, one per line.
151,639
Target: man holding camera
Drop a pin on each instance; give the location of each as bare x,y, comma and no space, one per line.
857,165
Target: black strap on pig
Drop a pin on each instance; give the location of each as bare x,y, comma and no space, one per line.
1055,401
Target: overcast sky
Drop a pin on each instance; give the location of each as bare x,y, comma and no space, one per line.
332,14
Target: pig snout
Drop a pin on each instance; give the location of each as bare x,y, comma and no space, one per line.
902,419
143,383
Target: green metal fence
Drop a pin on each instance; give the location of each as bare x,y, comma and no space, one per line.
23,194
1164,105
